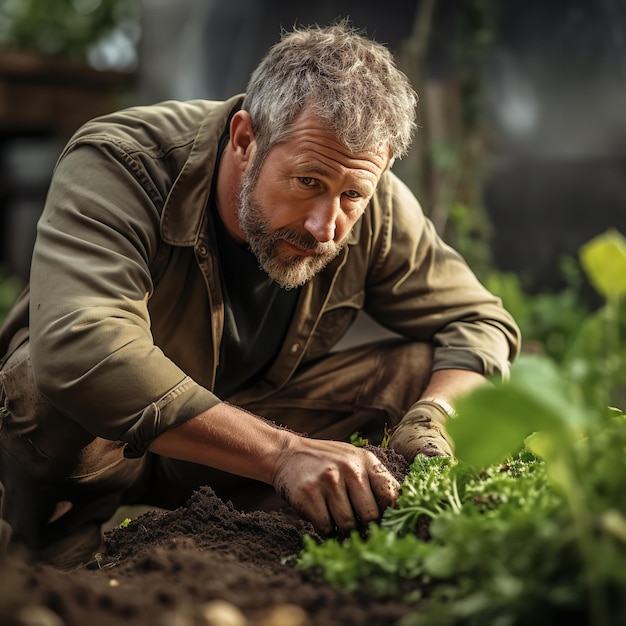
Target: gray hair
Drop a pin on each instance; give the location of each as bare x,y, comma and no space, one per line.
350,81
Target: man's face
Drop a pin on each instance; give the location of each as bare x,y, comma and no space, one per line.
297,208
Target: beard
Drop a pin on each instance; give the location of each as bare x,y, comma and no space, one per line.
288,270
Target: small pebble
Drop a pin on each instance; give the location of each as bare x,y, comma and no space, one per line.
222,613
286,615
38,616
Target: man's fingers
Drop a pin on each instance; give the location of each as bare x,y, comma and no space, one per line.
352,505
370,492
309,503
362,496
335,491
421,432
384,486
315,510
342,511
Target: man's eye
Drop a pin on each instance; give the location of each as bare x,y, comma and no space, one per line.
307,181
353,194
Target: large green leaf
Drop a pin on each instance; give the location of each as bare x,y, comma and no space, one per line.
494,422
543,380
604,261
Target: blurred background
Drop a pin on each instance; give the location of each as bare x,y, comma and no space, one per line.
521,151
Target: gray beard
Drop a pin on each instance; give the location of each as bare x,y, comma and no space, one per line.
289,271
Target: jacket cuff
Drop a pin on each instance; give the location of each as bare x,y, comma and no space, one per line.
471,359
185,401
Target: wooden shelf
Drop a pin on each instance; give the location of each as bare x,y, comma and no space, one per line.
53,96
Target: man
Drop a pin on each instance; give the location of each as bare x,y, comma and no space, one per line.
195,264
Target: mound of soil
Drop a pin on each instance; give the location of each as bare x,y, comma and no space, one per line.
205,564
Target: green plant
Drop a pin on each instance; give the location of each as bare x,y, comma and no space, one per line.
379,562
85,30
604,261
429,489
528,526
357,440
485,555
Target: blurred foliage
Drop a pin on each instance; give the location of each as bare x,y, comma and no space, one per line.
470,233
549,321
588,344
478,25
447,166
468,225
102,33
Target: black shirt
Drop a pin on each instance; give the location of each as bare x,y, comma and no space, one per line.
257,311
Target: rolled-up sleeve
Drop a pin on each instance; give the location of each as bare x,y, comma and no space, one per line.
421,288
92,349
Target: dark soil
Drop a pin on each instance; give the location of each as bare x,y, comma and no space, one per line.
205,564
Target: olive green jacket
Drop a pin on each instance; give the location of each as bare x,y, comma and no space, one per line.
126,308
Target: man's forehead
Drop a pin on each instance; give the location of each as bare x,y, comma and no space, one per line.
309,119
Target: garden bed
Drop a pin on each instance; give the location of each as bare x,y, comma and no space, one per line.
169,569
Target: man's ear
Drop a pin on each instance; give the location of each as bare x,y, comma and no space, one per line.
242,140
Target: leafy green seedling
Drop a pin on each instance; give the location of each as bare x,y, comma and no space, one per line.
357,440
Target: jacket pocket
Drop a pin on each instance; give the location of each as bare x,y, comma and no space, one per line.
22,406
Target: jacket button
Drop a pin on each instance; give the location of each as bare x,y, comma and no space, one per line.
203,251
294,348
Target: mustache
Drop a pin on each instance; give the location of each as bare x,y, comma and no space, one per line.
304,241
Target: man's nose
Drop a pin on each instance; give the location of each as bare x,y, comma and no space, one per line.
321,220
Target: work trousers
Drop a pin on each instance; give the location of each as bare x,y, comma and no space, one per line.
59,484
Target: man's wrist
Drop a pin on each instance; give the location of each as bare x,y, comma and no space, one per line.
444,405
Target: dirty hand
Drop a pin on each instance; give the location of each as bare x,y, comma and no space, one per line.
422,431
336,486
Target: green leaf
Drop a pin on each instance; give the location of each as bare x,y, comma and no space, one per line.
541,379
604,261
493,424
495,421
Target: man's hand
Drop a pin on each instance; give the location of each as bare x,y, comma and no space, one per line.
336,486
422,431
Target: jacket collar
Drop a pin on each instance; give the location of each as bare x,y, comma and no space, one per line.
186,202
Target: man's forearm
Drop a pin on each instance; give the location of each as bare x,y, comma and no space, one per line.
450,384
227,438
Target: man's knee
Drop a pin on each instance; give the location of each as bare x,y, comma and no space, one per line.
398,372
366,388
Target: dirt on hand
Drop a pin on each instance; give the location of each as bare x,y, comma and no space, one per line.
205,564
